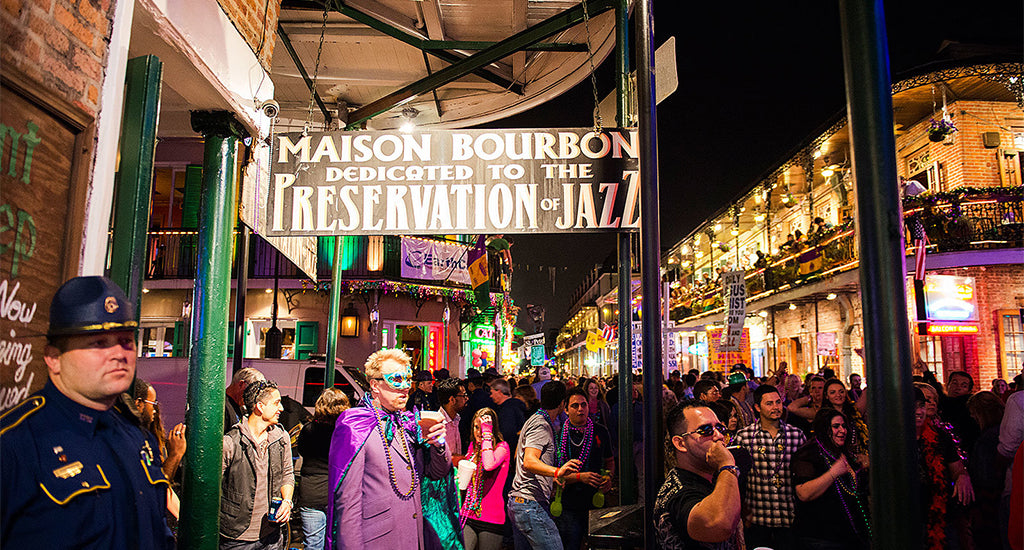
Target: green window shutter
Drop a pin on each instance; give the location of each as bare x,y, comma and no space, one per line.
193,189
178,344
307,337
231,338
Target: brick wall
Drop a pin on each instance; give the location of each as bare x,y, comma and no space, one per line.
249,16
997,288
966,162
800,323
61,44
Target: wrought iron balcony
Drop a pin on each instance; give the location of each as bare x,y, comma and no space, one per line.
964,219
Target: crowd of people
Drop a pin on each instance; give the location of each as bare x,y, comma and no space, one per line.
430,461
796,475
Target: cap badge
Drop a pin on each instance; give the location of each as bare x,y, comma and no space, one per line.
110,304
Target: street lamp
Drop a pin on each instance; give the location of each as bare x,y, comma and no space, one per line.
350,321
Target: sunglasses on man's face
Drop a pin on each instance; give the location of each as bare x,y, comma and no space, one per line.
397,380
707,430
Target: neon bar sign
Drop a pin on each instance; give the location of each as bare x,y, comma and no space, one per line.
950,298
951,328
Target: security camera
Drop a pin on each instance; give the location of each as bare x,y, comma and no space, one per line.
270,108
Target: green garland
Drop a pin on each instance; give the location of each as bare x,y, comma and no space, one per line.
961,193
412,289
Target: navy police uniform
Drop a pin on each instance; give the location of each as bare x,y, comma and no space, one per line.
71,476
76,477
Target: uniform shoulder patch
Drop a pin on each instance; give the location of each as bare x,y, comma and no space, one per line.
20,412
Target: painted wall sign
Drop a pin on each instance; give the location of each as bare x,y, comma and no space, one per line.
434,260
721,360
37,166
950,298
826,343
454,181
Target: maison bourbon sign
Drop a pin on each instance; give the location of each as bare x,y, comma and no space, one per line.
454,181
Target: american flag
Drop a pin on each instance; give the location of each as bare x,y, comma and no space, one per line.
917,233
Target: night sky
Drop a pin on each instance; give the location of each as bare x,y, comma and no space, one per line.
755,79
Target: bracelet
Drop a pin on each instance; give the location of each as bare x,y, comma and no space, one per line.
730,468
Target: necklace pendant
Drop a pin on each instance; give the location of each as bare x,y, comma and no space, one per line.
777,481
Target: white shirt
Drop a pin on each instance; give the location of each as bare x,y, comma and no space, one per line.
452,438
1011,432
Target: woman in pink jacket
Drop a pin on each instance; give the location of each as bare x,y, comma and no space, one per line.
483,509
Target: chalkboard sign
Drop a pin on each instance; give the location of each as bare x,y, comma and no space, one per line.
41,159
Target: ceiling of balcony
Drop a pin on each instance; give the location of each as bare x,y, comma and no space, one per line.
360,63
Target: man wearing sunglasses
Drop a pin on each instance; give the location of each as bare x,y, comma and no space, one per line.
698,506
379,456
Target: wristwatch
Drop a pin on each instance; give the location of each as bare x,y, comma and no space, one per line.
735,470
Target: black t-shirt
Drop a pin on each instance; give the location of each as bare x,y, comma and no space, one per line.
313,444
511,417
682,491
826,516
579,496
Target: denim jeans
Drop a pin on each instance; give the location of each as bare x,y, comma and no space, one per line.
534,523
314,526
572,525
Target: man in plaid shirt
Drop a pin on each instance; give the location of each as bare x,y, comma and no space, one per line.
769,498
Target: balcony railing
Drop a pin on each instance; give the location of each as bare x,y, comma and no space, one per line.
961,220
172,254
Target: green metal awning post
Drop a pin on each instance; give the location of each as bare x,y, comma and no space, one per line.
626,466
200,500
135,175
334,314
241,289
650,264
895,509
457,70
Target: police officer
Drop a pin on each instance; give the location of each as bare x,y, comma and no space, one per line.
76,470
422,397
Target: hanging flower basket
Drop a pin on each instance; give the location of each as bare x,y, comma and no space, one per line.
941,129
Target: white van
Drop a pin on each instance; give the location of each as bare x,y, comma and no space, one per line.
303,381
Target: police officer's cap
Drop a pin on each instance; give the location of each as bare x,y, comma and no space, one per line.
422,376
85,305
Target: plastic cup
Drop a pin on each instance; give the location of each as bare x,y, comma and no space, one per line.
429,418
465,473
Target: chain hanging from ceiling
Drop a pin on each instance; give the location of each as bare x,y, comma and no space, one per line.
316,75
593,75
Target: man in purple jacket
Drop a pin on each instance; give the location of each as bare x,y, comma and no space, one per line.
378,456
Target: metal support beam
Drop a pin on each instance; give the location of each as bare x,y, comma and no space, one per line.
895,509
466,66
370,21
305,76
650,264
241,289
480,45
200,499
626,466
135,180
334,314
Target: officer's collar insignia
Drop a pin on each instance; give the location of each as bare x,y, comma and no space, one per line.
146,453
85,418
110,304
70,470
